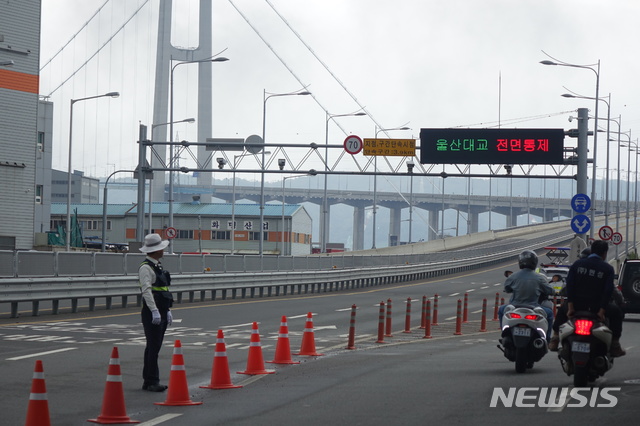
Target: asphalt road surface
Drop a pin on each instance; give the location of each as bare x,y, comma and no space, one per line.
447,379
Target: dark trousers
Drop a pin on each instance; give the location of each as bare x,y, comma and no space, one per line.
154,335
613,313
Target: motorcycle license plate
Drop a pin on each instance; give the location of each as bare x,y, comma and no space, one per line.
522,331
581,347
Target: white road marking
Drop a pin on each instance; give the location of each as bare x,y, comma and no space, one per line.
453,294
161,419
483,287
343,310
40,354
470,290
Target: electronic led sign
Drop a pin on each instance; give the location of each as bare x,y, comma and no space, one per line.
491,146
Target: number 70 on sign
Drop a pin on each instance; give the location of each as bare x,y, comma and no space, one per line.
353,144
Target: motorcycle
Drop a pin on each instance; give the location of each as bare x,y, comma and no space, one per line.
524,332
585,343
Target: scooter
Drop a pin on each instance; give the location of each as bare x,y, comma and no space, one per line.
524,335
585,342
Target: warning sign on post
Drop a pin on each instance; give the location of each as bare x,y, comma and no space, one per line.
390,147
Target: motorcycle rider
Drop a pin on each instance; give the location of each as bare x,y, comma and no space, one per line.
527,286
590,288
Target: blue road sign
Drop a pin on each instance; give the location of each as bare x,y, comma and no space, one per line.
581,203
580,224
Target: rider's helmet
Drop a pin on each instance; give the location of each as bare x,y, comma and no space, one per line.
528,259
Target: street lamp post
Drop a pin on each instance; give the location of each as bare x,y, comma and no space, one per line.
153,126
104,208
324,220
410,166
595,133
233,201
171,123
628,189
627,134
375,182
265,98
70,169
606,191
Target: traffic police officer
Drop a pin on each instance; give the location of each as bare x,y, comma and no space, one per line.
156,303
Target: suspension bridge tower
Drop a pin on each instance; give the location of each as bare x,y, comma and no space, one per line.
167,57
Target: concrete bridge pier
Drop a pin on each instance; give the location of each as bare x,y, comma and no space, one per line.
358,227
433,224
395,222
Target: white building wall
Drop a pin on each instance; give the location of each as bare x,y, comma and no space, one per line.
301,224
20,43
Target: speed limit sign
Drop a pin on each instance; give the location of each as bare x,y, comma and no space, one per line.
616,238
353,144
171,233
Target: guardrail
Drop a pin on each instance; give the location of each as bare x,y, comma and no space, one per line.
314,274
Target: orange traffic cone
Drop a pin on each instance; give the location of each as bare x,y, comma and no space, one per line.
283,349
220,377
113,408
38,410
308,346
178,392
255,362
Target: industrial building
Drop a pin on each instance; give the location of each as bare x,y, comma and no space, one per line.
199,227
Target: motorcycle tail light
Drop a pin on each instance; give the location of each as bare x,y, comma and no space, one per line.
531,317
514,315
583,327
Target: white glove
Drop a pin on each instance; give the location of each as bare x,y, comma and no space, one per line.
169,317
155,317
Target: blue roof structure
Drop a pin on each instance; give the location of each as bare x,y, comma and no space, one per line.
179,209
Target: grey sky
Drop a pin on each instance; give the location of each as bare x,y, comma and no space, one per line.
425,62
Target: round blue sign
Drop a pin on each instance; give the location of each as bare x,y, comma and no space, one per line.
580,224
581,203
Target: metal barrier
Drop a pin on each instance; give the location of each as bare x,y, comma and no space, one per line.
289,275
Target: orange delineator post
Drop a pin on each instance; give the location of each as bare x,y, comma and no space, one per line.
220,374
283,348
465,310
423,317
435,310
113,406
407,318
495,308
387,331
308,346
483,319
381,324
255,361
427,325
458,331
38,409
351,344
178,391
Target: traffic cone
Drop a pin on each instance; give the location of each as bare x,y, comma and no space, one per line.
38,410
283,349
113,408
308,346
255,362
178,391
220,376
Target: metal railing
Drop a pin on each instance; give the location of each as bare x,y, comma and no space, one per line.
236,276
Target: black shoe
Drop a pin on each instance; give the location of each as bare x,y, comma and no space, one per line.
154,388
